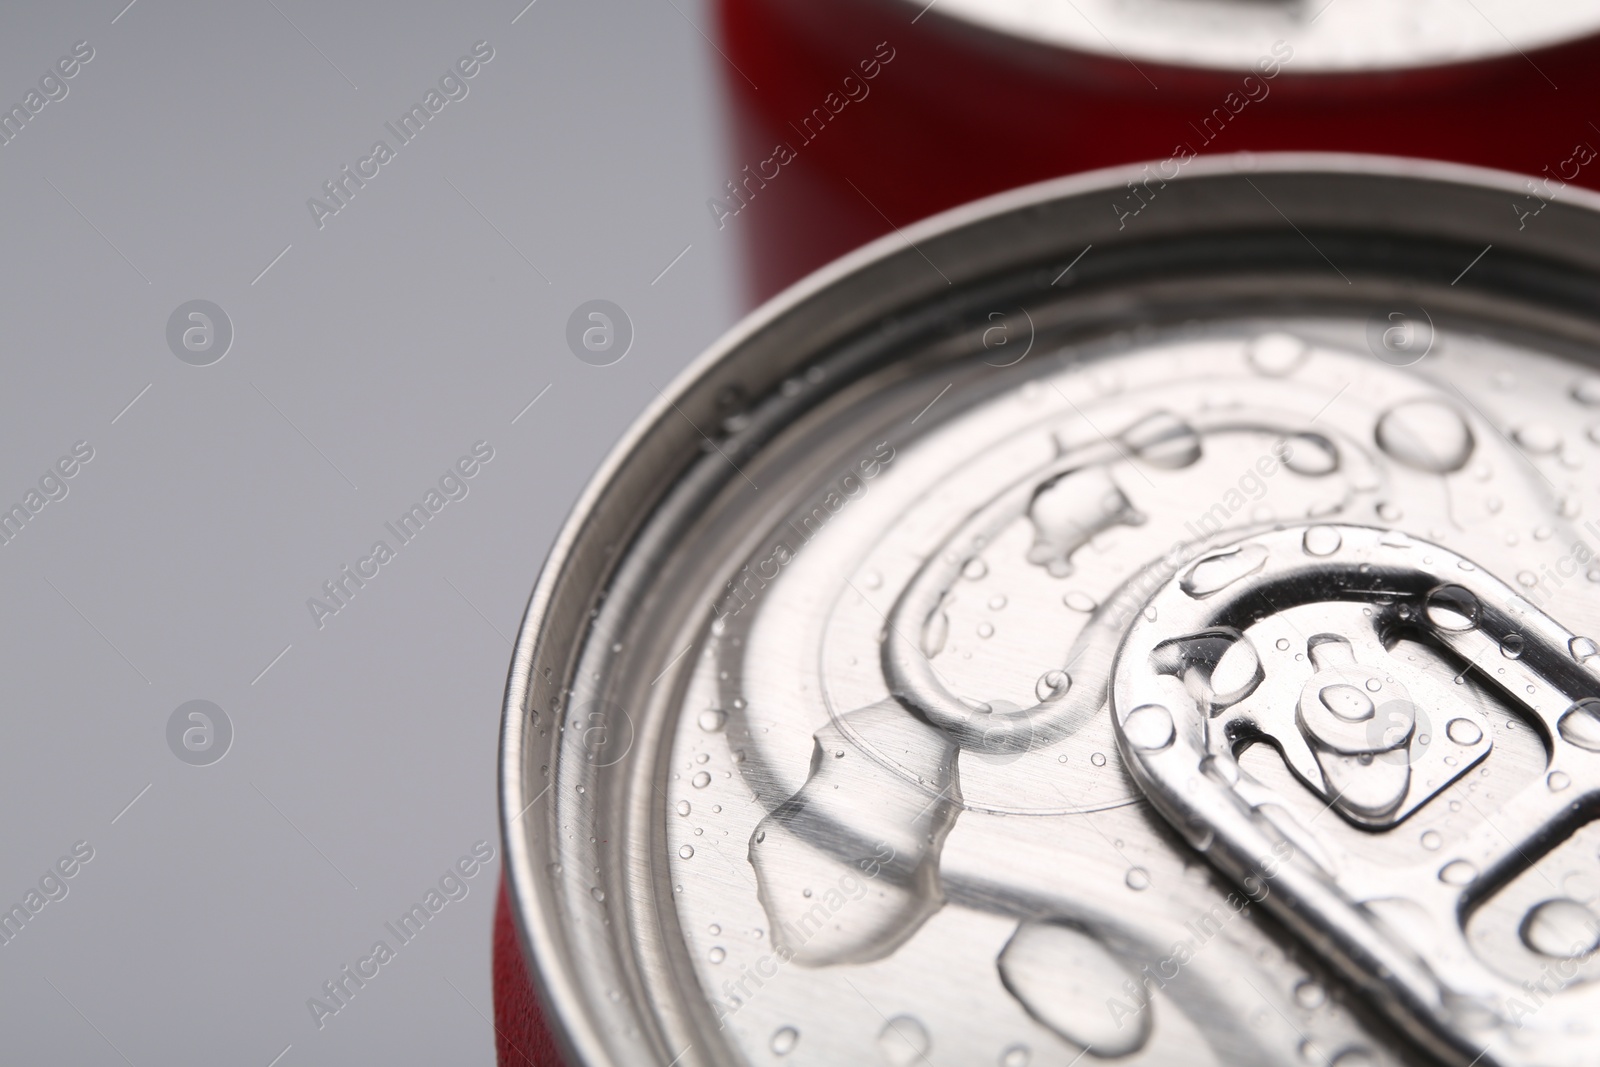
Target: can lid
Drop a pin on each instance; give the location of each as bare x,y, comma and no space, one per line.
1012,611
1300,36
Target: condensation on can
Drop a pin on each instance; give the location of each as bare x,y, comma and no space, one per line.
1171,641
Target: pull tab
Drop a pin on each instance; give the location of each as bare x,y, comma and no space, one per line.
1482,944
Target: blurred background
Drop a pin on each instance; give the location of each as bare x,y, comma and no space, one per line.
369,354
246,346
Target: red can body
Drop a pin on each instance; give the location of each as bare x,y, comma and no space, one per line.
522,1039
939,111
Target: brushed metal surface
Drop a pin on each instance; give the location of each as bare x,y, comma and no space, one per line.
809,752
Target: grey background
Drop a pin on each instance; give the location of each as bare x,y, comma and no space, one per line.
365,361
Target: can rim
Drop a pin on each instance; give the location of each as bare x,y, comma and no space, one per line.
1151,41
567,1012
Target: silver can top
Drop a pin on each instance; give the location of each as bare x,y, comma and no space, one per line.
1057,632
1324,36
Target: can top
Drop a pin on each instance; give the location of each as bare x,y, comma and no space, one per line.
1324,36
964,652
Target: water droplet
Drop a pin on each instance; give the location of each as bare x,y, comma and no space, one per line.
1309,995
1426,435
1373,685
974,570
1347,702
1557,781
1098,759
1078,601
1281,644
1527,579
714,929
1464,732
985,629
1511,646
1457,872
873,580
700,780
1061,975
683,807
1538,438
1275,355
784,1039
1583,649
997,602
1586,391
904,1041
598,894
1216,572
686,852
1431,840
1452,608
1580,725
1321,541
1310,454
712,719
1069,510
1016,1056
1163,440
1148,728
1137,878
1562,928
1052,684
913,805
1150,613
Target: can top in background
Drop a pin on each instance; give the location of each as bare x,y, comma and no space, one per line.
1330,36
1048,633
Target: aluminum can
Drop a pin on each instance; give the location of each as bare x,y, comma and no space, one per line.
854,116
1038,641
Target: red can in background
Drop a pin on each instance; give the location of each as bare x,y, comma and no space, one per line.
852,117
